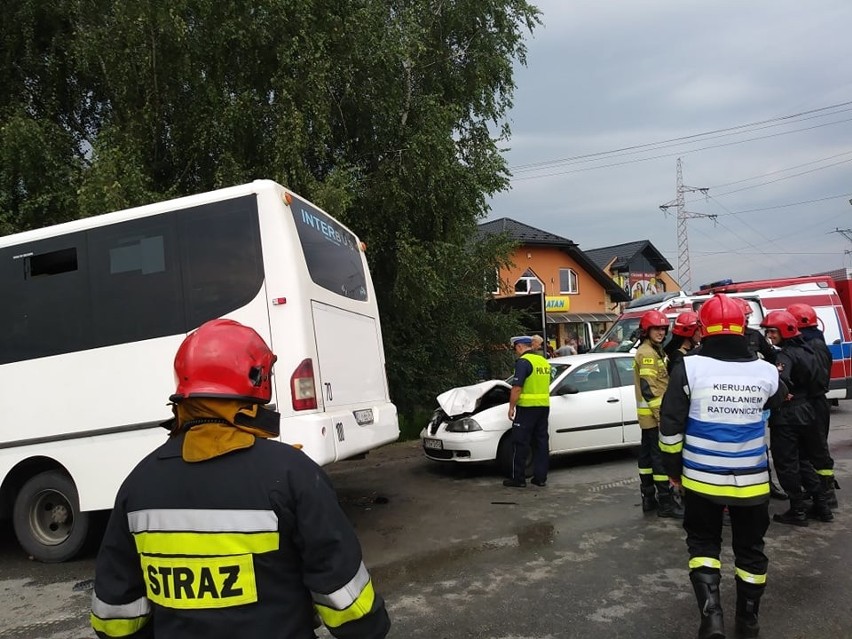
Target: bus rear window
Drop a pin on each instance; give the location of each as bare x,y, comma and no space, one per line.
331,252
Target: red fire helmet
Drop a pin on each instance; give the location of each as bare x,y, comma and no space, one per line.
805,314
783,322
224,359
650,319
686,324
746,306
721,315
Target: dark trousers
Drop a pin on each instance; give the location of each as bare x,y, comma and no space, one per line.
651,469
530,428
792,442
702,522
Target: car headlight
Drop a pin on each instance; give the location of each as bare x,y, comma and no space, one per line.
463,425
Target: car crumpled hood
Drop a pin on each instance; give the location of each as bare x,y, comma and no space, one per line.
465,399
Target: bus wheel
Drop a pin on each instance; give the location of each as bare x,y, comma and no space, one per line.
47,518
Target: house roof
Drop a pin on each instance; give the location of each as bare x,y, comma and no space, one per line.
530,236
623,253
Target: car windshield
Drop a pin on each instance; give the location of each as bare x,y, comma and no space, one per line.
620,338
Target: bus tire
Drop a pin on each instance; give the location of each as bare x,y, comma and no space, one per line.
47,518
504,456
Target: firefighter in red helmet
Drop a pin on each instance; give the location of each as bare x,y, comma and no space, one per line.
757,342
794,434
651,377
685,337
712,435
808,323
222,532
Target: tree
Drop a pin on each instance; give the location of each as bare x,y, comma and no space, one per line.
388,113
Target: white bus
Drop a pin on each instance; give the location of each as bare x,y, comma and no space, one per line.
93,312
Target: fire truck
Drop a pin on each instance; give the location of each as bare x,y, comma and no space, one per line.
829,297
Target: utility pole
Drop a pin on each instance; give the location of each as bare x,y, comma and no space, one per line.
683,274
847,233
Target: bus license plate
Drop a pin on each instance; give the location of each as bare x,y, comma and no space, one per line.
364,417
434,444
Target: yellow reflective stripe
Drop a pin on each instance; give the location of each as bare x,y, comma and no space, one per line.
205,544
671,448
197,583
117,627
657,401
661,477
644,411
647,372
828,472
750,577
360,607
755,490
704,562
645,471
533,395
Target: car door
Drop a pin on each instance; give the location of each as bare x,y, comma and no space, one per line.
585,408
632,433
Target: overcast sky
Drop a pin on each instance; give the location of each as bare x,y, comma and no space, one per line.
608,75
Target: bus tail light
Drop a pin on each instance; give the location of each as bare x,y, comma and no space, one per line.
302,386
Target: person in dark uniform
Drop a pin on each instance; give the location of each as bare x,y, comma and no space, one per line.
757,342
793,431
685,337
529,409
222,532
806,318
713,442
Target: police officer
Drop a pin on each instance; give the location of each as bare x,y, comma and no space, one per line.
685,337
712,435
222,533
793,431
650,377
807,322
529,409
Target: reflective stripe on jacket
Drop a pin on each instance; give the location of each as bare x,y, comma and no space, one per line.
251,543
536,388
649,365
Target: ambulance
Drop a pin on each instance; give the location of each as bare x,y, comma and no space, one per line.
819,291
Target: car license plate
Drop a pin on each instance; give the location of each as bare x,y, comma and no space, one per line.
364,417
434,444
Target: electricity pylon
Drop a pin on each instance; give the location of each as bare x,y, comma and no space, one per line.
683,275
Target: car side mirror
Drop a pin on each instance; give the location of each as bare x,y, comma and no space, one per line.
567,389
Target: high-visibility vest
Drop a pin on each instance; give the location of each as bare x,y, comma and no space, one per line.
724,445
536,388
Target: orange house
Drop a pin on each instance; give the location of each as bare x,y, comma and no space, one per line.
638,267
580,298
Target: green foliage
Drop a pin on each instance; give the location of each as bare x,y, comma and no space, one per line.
387,113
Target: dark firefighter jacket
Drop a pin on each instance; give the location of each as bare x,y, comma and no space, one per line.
712,425
757,343
799,369
815,339
247,544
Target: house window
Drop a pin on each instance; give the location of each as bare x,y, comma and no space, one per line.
527,284
492,283
567,281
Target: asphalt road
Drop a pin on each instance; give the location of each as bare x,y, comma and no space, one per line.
457,555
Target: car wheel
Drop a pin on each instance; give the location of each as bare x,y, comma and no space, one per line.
504,457
47,518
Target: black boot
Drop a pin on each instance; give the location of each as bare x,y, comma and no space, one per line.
820,510
748,604
649,501
706,586
797,515
668,507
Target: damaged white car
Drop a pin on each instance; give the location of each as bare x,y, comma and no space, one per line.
592,407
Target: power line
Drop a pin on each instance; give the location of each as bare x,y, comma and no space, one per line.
668,155
547,163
